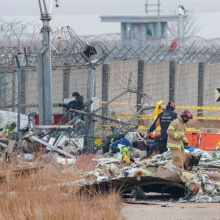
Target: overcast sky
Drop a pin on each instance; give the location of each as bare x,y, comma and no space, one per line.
83,15
30,7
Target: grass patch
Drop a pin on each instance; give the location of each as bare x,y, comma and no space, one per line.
45,196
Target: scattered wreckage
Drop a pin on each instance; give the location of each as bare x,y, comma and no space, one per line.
122,158
134,171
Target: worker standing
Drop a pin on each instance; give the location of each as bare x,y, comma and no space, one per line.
177,139
164,119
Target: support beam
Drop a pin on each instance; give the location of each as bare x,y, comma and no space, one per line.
201,71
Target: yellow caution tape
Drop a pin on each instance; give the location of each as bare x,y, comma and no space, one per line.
151,117
210,108
140,127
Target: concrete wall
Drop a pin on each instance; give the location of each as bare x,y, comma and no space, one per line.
186,92
118,81
156,81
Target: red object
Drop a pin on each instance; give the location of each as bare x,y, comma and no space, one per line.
56,119
193,139
196,189
139,173
207,140
173,46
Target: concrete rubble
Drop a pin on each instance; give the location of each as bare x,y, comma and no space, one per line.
126,167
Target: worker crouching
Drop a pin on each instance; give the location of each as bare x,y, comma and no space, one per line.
177,140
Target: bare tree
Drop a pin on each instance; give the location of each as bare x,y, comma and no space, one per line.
191,26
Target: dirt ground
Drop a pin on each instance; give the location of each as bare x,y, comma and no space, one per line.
179,211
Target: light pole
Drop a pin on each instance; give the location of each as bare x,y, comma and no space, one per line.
44,69
181,11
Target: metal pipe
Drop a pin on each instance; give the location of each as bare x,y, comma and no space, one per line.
180,27
61,127
25,54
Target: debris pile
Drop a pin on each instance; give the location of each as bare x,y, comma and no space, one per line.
130,161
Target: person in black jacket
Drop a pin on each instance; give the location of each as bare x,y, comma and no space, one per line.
76,103
164,119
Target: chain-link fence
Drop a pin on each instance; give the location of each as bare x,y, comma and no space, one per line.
177,77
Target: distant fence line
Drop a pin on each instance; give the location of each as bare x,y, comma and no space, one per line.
25,40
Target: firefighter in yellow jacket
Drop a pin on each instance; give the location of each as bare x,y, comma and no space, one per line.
177,140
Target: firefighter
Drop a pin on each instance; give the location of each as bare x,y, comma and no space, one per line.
177,140
164,119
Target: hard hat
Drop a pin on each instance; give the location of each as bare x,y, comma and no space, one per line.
187,115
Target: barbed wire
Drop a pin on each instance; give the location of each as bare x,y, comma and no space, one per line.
66,45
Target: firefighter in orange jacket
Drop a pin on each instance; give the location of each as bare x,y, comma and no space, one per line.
176,138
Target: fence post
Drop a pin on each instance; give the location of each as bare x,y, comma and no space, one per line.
23,92
105,85
140,82
13,91
19,96
201,70
66,85
172,81
89,123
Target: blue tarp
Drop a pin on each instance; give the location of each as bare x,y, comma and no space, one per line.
122,141
190,148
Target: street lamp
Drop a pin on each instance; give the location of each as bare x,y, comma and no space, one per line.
181,11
